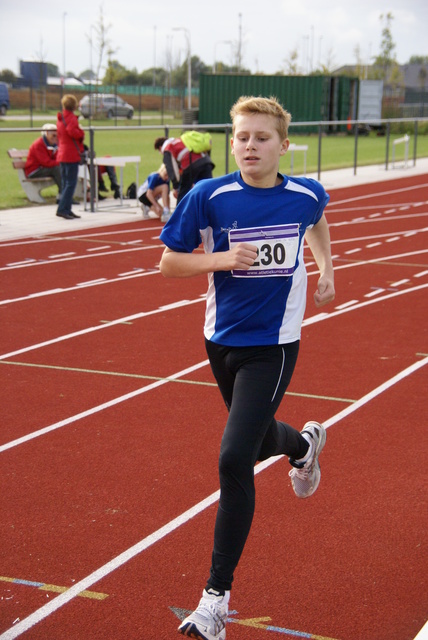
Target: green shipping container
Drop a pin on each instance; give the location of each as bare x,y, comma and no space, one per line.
307,98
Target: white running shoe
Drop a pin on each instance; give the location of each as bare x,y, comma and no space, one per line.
208,621
306,476
145,209
165,215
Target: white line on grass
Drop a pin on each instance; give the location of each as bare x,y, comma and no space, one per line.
118,561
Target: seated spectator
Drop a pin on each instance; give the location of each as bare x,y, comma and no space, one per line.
184,168
42,160
111,172
155,188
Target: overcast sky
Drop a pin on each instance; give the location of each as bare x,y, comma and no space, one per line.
141,32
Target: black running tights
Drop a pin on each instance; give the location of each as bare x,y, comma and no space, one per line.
252,381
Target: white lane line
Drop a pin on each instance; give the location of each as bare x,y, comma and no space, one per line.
346,304
360,305
423,633
356,250
357,262
348,266
81,257
100,407
100,573
376,392
90,282
376,292
400,282
306,321
83,332
21,263
136,274
61,255
131,273
40,238
378,195
107,246
40,294
348,223
378,236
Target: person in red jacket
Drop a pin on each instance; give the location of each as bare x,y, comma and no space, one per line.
184,168
42,160
70,139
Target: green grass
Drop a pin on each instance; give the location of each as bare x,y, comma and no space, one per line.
336,152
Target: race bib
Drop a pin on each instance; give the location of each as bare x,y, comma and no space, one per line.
277,248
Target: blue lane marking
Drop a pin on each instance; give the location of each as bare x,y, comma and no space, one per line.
290,632
29,583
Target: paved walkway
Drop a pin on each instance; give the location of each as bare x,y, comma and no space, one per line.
41,219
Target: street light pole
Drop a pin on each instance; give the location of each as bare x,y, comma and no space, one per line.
189,65
63,46
215,52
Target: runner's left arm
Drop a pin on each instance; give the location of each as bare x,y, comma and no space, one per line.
318,239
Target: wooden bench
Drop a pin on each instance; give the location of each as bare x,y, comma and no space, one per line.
34,186
31,186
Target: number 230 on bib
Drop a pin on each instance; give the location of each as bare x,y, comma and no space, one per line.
277,248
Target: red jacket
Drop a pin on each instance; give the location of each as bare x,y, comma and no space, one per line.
179,151
70,137
176,158
40,155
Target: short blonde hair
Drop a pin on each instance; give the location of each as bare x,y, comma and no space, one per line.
163,172
69,102
248,105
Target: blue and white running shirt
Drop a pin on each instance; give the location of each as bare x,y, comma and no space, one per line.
152,181
266,305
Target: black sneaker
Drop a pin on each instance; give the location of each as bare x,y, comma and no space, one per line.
64,214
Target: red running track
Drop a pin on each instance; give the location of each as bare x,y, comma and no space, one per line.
112,422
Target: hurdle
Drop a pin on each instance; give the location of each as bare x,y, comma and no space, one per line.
405,139
296,147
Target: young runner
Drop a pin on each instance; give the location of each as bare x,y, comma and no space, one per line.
155,188
252,224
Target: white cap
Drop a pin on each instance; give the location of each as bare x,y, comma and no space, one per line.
48,127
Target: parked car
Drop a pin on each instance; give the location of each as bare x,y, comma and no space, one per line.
105,104
4,98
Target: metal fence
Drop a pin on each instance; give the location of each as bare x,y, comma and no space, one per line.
322,128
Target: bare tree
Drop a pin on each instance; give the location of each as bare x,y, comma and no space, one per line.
385,61
360,68
102,42
292,63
